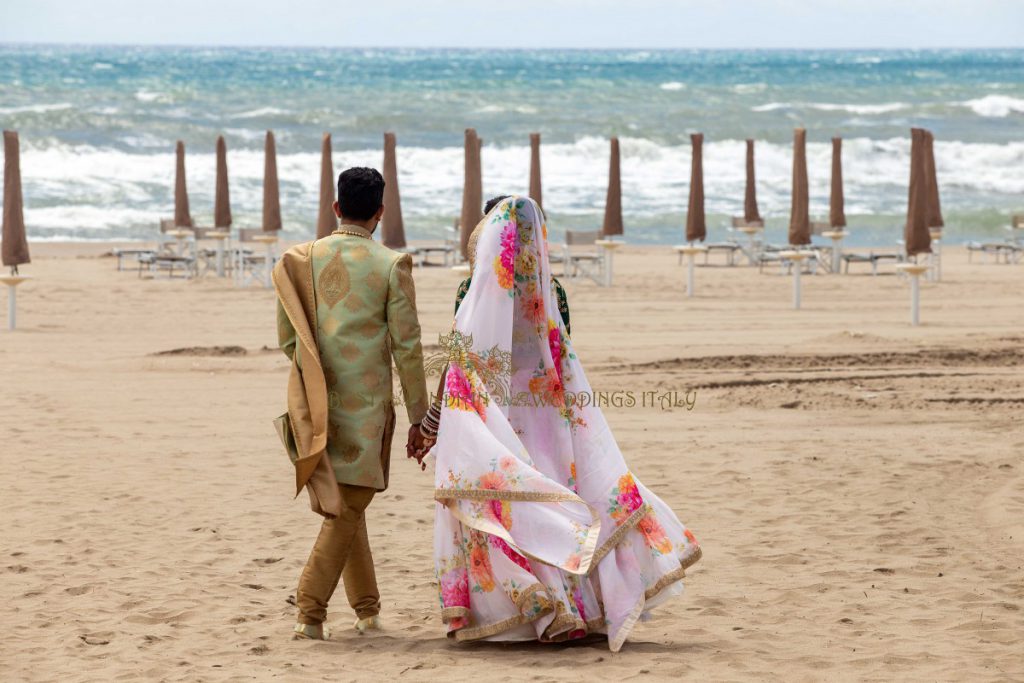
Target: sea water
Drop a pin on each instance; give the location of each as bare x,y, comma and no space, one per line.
98,127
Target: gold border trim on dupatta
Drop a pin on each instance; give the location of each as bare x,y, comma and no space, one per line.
620,532
587,548
449,613
488,630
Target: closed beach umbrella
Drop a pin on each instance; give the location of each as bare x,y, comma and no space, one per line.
326,220
271,193
222,199
934,204
613,202
535,191
696,228
15,243
182,217
472,191
916,236
750,212
392,228
799,213
836,210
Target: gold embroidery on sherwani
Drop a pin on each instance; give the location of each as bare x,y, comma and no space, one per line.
349,351
370,379
370,329
376,281
333,283
405,283
354,302
371,430
329,325
349,452
359,253
351,402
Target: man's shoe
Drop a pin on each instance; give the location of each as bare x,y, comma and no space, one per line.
311,632
368,624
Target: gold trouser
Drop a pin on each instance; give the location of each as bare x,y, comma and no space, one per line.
342,550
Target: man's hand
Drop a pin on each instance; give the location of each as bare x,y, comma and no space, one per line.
417,445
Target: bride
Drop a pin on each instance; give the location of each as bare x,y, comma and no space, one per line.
541,531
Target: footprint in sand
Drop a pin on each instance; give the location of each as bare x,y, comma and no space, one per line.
98,638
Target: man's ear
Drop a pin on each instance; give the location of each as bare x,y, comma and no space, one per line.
337,209
380,212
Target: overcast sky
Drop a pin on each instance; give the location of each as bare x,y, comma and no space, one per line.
520,23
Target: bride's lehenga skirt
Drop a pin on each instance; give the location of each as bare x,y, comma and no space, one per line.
541,530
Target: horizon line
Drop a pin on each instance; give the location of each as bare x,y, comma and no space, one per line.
721,48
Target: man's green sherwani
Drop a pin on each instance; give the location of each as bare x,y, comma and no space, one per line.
365,306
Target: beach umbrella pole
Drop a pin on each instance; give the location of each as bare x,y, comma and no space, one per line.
796,285
690,251
12,282
689,274
796,258
915,300
914,271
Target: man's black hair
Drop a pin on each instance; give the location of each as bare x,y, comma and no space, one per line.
360,192
493,202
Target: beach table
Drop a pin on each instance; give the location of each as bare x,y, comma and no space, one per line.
181,235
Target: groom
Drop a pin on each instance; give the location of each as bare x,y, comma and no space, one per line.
346,307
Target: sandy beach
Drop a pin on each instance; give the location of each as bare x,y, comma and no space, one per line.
856,483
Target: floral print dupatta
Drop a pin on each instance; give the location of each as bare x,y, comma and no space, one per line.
541,531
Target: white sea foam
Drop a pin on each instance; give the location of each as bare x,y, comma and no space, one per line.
35,108
84,188
262,112
672,85
149,96
995,106
860,109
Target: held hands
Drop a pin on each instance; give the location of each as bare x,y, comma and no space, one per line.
417,446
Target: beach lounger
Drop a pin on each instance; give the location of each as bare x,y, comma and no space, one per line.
155,263
121,254
579,260
1008,251
728,248
872,258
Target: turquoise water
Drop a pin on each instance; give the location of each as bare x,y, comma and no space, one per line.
98,127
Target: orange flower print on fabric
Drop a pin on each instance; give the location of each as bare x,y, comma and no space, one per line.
460,394
480,568
505,262
502,512
572,563
533,308
654,534
625,499
494,481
